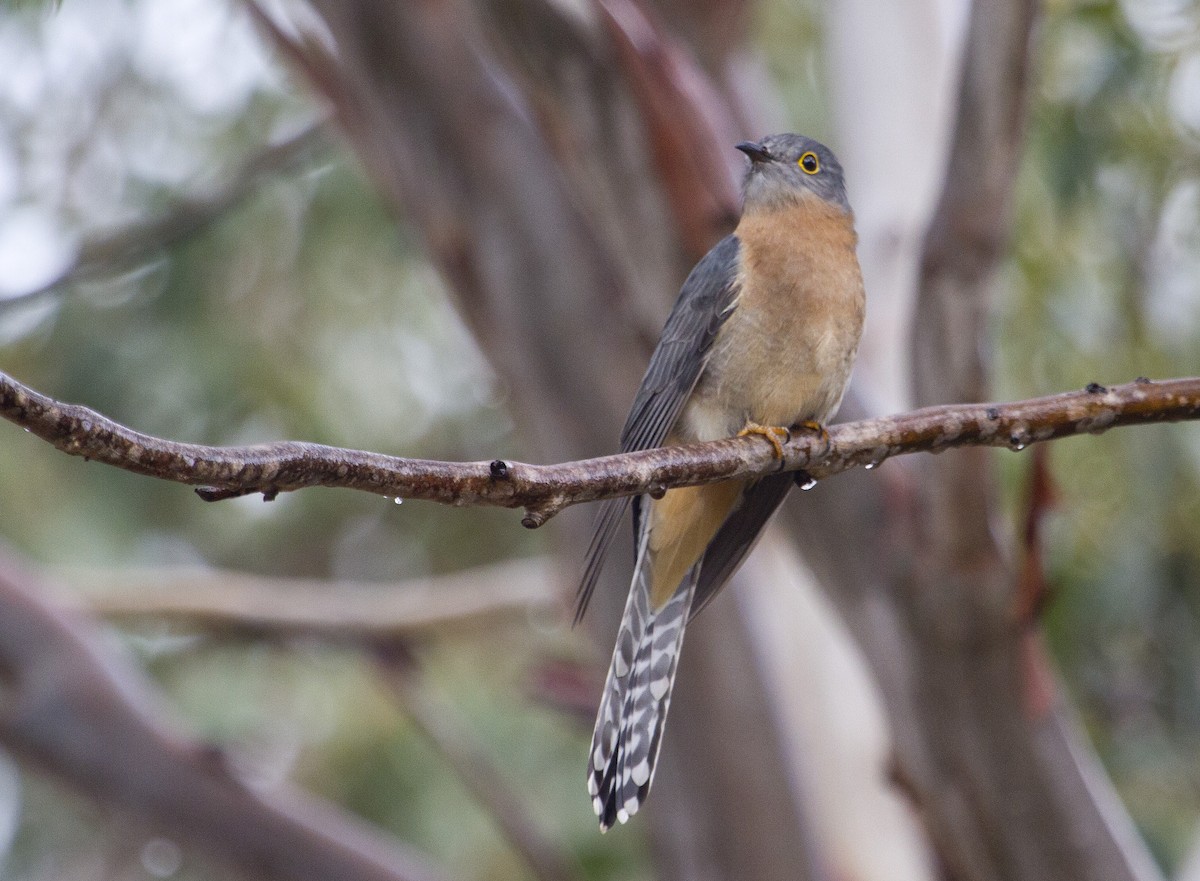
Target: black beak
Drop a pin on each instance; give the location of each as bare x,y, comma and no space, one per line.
757,152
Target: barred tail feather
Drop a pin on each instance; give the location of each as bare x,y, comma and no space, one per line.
636,696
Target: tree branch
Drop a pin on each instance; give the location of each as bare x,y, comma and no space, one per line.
78,710
684,123
544,490
235,604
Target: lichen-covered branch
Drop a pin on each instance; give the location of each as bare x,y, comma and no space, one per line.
544,490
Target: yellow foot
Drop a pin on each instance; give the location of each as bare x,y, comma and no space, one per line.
818,429
777,435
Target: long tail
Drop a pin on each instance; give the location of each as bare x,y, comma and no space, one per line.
637,694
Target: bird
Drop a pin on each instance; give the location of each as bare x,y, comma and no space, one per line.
761,340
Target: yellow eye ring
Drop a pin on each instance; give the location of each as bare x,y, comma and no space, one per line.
809,163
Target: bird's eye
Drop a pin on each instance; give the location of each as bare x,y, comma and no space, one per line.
810,163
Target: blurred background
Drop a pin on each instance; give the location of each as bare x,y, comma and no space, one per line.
199,239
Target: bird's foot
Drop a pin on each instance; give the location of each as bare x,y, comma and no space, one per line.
776,434
818,429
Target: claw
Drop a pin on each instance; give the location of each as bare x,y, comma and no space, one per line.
817,428
776,434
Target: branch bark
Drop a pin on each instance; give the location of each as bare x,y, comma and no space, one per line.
82,713
544,490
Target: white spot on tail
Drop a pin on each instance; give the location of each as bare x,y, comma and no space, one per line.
641,773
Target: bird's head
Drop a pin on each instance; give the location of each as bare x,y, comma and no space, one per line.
786,168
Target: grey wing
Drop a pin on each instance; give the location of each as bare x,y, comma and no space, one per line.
738,535
707,298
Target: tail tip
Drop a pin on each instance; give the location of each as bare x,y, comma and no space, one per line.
610,817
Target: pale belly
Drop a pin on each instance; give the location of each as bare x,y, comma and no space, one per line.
777,370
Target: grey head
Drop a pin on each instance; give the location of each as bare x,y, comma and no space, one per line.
785,168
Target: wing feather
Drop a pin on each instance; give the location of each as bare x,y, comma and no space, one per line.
707,298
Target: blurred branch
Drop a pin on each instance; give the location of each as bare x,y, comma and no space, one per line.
80,711
681,114
235,604
229,604
441,724
544,490
971,225
107,253
1033,590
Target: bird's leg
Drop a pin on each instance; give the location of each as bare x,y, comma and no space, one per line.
776,434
